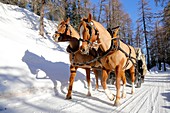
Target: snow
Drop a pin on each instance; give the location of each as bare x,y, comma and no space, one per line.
155,69
34,74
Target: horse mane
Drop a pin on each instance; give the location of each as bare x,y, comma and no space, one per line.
104,36
74,33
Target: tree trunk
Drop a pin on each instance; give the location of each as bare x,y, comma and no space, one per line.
145,35
42,18
159,65
100,10
164,64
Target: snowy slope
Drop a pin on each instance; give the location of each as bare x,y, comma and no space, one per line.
30,64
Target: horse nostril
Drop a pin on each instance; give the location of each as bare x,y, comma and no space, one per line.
60,38
83,50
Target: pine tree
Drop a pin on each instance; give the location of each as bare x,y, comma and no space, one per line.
101,5
166,27
94,10
75,17
126,28
138,39
36,6
12,2
145,20
161,2
20,3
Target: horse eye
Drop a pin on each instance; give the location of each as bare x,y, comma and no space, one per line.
56,31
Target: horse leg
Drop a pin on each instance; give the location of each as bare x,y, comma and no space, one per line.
72,76
88,81
118,72
124,85
104,85
132,73
96,76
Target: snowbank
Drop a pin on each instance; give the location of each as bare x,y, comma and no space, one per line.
30,64
156,70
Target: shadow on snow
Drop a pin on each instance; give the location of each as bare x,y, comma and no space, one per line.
56,71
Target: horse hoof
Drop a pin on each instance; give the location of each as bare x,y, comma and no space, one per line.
89,94
68,97
112,97
132,92
117,103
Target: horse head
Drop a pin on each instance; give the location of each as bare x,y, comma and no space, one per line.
93,35
64,29
88,35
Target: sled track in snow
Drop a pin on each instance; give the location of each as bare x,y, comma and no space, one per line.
133,98
152,97
84,99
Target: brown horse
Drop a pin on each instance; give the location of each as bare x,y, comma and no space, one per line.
117,56
67,33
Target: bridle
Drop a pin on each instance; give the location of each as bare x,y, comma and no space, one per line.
90,26
66,30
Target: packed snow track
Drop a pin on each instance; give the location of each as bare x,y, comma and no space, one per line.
152,97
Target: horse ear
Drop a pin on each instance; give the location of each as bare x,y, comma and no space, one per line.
68,21
116,32
90,17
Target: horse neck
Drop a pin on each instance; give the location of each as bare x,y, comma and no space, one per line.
74,38
74,43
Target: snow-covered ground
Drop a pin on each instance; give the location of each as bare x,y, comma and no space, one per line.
34,74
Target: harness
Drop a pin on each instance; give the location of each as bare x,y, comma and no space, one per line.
93,60
99,56
109,51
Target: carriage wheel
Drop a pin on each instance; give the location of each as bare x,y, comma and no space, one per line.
138,85
128,77
142,78
139,80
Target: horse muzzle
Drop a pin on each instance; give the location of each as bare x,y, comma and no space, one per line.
84,51
57,38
